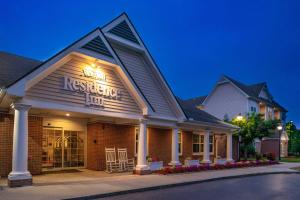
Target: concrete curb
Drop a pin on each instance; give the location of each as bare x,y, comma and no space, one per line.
97,196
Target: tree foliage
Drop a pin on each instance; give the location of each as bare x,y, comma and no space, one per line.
294,138
254,126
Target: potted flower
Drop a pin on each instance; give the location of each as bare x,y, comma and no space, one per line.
154,163
189,162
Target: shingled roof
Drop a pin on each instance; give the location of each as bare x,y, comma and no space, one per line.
194,114
12,67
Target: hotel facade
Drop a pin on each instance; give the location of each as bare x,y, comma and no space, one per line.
104,90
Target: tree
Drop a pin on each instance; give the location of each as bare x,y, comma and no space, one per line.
294,138
253,126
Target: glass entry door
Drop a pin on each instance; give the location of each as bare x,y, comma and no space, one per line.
62,148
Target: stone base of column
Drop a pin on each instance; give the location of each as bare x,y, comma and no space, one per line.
175,163
205,161
229,160
17,179
142,170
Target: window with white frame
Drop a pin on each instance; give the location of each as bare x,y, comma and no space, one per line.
180,143
253,109
198,144
211,144
136,135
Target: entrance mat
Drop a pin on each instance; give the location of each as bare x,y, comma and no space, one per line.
62,171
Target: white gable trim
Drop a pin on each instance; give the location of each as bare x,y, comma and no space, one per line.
19,88
170,96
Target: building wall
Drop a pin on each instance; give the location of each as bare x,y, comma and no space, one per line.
160,144
187,148
253,104
270,146
226,100
51,88
101,135
35,130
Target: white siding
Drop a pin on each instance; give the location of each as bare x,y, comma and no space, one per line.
144,78
263,94
51,89
252,103
226,100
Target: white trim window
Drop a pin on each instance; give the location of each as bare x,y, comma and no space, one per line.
253,109
136,137
180,143
198,144
211,144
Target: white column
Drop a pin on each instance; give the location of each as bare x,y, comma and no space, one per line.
20,144
175,153
229,148
142,147
206,158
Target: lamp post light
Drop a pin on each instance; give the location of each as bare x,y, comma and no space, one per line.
279,128
239,117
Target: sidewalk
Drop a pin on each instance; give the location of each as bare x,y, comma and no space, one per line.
63,190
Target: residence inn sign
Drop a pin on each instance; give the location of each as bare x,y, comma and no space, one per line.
94,87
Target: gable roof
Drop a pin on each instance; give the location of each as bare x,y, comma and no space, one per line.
140,46
12,67
96,46
253,91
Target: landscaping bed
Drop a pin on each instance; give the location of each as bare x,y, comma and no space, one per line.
205,167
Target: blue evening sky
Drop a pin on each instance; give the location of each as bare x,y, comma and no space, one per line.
193,42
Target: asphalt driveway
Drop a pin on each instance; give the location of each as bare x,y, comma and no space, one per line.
277,186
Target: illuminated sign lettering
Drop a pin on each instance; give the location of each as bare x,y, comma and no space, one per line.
94,88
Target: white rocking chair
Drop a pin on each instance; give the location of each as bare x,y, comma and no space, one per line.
125,163
111,160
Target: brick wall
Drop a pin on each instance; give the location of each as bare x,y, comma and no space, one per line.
35,130
270,146
101,135
187,148
160,144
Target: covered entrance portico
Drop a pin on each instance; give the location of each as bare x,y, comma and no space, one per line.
104,90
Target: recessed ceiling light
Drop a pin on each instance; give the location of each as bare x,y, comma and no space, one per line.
67,114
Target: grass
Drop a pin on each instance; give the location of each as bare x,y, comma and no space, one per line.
290,159
296,168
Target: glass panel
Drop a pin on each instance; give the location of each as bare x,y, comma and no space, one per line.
73,149
179,137
202,139
62,149
195,138
201,148
195,148
211,139
52,148
210,148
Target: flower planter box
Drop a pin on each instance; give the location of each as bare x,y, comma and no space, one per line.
156,165
191,163
220,161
